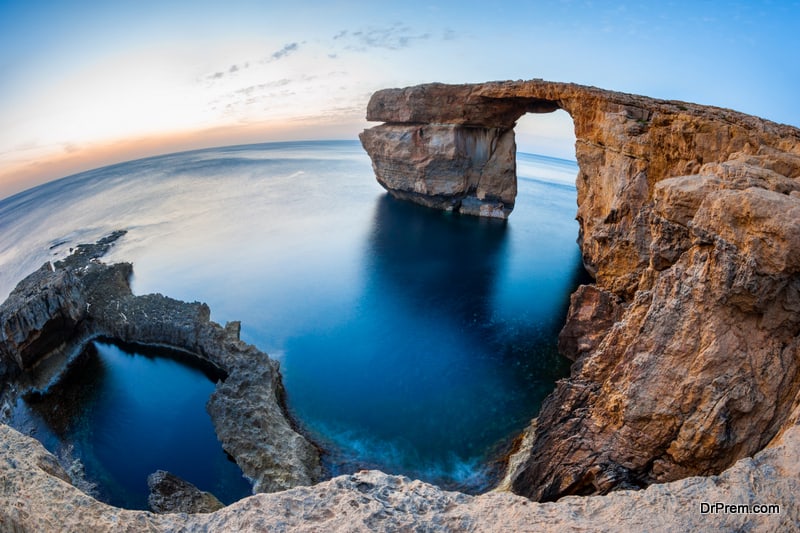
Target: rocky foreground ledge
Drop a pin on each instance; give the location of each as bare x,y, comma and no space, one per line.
54,312
36,496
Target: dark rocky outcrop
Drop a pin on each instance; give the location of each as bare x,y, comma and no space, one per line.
171,494
81,298
687,349
40,315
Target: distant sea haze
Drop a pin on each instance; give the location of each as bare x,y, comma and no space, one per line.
410,340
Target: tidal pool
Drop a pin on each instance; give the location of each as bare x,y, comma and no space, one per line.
410,340
122,412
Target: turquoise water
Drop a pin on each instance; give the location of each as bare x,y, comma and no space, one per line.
410,340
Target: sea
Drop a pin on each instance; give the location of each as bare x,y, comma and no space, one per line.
410,340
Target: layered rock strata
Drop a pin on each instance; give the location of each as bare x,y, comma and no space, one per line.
687,349
64,305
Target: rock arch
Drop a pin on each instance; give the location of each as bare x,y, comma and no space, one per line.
441,149
452,147
687,347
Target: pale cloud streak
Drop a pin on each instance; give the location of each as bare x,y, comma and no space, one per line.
285,51
238,68
392,37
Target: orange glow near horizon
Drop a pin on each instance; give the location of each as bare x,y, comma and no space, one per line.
60,162
550,134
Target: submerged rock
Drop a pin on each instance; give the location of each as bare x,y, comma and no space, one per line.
171,494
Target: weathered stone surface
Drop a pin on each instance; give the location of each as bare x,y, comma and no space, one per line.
246,408
592,312
449,167
701,369
171,494
32,500
40,315
687,348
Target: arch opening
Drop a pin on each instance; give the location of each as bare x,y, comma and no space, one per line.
545,149
548,134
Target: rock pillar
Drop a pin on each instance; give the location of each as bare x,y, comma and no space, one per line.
468,169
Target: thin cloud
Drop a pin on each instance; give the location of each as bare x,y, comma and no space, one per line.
233,69
246,97
247,91
394,37
285,51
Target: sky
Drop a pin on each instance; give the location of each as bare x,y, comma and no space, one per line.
85,83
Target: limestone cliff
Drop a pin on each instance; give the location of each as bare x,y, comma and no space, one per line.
687,350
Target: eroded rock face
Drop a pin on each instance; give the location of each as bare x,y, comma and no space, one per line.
171,494
701,368
451,167
32,498
40,315
246,408
687,350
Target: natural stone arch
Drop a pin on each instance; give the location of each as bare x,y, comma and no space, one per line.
464,163
427,152
675,201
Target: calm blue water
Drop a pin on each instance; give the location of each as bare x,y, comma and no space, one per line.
121,413
410,340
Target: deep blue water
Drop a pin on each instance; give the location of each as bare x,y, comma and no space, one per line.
122,412
410,340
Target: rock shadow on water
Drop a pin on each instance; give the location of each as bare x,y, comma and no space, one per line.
426,379
78,389
435,258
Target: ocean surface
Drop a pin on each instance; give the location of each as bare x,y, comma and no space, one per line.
410,340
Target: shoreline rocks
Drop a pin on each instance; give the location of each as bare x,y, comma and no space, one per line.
246,407
34,498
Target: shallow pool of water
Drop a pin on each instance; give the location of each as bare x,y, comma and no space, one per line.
122,412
